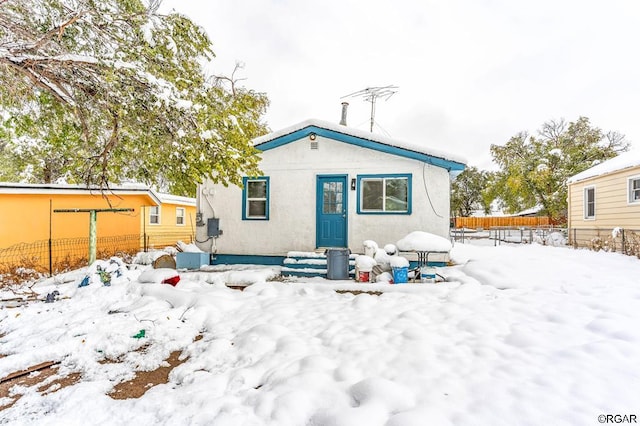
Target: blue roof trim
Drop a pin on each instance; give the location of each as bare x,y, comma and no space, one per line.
449,165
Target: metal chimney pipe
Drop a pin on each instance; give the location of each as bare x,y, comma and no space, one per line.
343,119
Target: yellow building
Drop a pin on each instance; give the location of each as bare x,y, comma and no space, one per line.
173,219
40,228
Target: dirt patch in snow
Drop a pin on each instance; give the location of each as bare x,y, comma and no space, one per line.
357,292
44,377
145,380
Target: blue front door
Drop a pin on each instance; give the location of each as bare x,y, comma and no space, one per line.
331,211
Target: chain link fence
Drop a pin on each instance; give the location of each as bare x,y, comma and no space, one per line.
59,255
620,240
496,235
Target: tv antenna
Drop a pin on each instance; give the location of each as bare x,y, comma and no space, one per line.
371,94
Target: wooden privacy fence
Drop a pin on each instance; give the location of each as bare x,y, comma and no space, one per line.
496,221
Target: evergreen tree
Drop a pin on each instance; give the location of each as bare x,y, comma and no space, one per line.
101,92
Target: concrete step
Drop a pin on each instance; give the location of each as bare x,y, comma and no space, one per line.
309,264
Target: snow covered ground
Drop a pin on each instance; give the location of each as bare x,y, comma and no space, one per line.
518,335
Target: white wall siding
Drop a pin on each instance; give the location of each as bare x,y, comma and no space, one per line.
293,169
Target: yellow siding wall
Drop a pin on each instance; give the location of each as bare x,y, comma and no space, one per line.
26,217
611,202
168,232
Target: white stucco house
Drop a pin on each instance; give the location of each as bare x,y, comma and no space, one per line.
328,185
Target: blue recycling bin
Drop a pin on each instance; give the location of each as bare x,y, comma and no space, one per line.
400,275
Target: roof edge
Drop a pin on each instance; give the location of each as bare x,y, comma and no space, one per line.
359,138
21,188
622,162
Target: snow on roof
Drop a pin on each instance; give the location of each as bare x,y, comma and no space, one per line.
175,199
622,161
358,133
158,198
65,186
530,211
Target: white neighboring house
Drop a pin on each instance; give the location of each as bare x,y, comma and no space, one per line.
328,185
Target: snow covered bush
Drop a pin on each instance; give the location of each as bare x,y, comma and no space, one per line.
597,244
631,243
556,239
627,242
18,275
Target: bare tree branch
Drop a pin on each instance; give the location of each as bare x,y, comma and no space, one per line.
219,80
552,130
616,141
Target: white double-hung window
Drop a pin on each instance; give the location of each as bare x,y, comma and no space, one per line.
255,198
634,189
590,202
179,215
154,215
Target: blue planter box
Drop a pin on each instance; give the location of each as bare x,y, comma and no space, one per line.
192,260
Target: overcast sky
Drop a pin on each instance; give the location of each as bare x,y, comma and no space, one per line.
470,73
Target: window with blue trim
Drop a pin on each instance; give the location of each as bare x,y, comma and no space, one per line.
384,194
255,198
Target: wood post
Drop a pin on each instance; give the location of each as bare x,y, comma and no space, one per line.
93,234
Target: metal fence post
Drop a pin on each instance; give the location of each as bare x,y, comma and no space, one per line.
624,247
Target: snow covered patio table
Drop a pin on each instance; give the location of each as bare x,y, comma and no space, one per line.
425,244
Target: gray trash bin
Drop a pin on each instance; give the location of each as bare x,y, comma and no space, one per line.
338,263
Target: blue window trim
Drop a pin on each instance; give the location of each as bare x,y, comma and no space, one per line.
408,176
244,197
